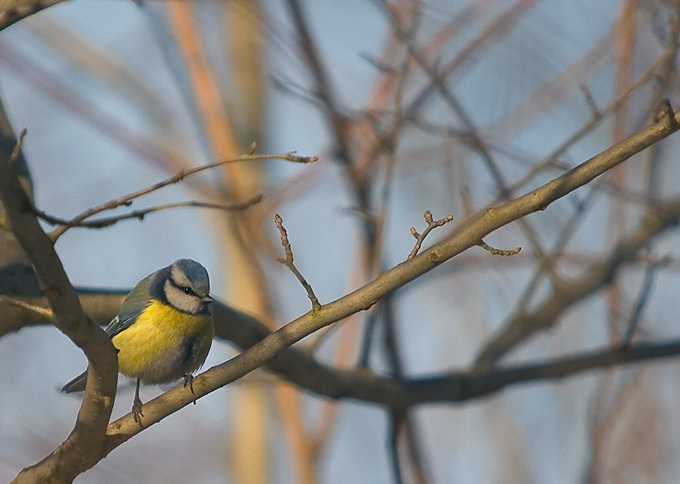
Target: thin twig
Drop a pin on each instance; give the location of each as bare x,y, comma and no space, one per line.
140,214
405,423
179,176
474,137
495,251
45,312
288,262
323,85
431,224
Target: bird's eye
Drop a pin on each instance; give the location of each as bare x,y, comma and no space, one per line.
187,290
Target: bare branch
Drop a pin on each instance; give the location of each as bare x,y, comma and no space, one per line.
323,86
298,367
288,262
81,449
431,224
179,176
467,236
645,291
474,137
564,296
39,310
590,101
140,214
400,393
502,252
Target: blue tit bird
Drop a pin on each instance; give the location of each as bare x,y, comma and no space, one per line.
164,329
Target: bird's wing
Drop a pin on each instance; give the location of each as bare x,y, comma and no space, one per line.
121,322
135,303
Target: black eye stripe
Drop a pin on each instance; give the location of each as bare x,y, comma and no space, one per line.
184,289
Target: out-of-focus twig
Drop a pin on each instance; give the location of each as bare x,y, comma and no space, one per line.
645,291
41,311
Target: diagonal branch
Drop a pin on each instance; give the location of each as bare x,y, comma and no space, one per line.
364,297
323,87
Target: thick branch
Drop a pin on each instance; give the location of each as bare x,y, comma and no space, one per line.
83,447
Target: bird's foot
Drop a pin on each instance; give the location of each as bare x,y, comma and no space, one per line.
137,410
189,380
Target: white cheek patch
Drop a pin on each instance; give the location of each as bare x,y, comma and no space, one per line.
172,292
177,299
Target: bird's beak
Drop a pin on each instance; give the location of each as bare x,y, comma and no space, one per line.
207,299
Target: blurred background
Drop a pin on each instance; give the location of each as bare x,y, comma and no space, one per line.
447,106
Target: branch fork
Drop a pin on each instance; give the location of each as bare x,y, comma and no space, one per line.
431,224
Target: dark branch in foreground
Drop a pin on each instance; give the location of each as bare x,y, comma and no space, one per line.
81,448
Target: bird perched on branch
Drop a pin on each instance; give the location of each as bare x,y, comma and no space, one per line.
164,329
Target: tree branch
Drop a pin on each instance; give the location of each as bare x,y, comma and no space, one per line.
82,448
290,263
564,296
363,298
177,177
103,222
11,11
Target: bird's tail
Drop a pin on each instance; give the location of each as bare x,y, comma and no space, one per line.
77,384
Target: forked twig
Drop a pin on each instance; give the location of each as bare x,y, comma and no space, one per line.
431,224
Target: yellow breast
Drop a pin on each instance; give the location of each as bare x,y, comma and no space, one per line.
163,344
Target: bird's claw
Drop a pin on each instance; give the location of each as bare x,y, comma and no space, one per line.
189,380
137,411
